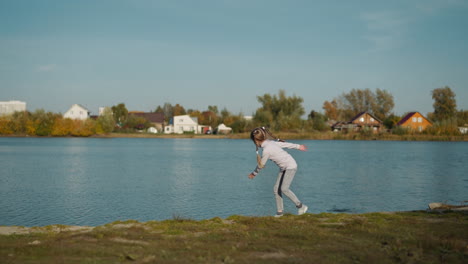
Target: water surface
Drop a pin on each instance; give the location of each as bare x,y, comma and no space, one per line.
91,181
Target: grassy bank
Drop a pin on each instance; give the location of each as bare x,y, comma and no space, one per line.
409,237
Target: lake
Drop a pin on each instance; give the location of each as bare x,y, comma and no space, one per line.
93,181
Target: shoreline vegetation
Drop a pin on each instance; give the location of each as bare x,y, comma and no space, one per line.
286,136
386,237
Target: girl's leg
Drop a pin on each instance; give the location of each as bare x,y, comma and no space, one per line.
288,177
277,192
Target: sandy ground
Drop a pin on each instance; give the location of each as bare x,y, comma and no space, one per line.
20,230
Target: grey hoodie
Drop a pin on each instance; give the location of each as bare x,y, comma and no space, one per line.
273,150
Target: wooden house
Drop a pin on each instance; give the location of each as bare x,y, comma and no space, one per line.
366,120
359,122
414,121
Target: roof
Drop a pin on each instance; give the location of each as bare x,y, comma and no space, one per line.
80,106
408,116
84,108
362,113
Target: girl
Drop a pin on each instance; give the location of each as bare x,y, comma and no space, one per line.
273,150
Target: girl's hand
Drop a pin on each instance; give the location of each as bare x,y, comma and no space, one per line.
251,176
303,148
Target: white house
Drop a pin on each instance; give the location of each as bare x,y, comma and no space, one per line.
463,129
10,107
77,111
223,129
183,123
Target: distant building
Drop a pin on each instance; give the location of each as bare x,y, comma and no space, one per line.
9,107
223,129
359,122
414,121
77,111
183,123
463,129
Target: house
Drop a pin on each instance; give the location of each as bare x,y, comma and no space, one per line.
9,107
414,121
183,123
156,119
360,121
463,129
77,111
223,129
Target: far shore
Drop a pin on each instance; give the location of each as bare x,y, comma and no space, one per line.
287,136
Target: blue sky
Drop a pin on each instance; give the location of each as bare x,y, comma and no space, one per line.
226,52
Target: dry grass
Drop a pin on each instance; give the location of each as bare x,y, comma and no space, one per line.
411,237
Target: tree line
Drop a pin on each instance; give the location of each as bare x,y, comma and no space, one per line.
278,111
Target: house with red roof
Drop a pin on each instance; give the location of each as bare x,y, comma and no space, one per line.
414,121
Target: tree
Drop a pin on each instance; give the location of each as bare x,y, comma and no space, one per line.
348,105
159,109
383,104
359,100
62,127
318,121
462,118
168,111
213,108
331,109
391,121
44,122
120,113
281,112
178,110
444,103
106,121
137,122
19,121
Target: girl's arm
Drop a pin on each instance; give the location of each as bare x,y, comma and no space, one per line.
265,157
292,146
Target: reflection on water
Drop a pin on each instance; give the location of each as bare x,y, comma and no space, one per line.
79,181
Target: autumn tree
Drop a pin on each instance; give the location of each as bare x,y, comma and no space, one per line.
178,110
444,103
62,127
43,122
84,128
331,109
5,125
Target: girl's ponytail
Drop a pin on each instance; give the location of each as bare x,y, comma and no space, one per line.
260,134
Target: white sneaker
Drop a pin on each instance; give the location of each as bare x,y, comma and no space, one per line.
302,210
278,215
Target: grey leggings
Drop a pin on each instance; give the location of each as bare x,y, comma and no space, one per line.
282,187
